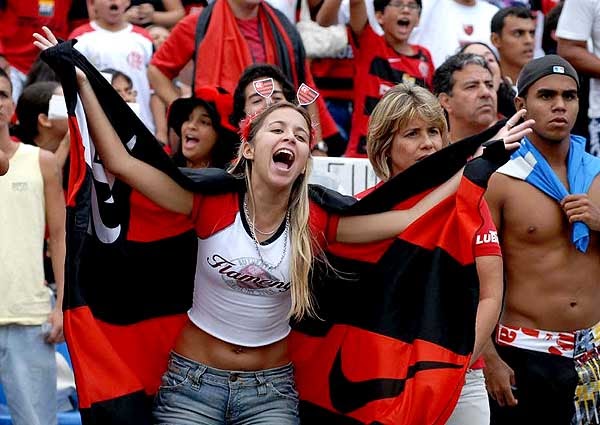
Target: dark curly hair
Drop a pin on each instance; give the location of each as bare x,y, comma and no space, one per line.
250,74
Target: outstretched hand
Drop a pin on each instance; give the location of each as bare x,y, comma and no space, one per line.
47,41
512,132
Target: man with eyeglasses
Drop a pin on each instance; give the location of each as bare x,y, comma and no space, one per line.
447,25
381,62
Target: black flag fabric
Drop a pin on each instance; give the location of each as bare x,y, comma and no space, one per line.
396,318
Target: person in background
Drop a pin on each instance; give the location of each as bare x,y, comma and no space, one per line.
123,85
334,75
40,71
247,101
32,202
446,25
505,91
549,38
159,34
165,13
236,34
546,206
579,22
383,61
206,138
109,41
18,20
42,119
513,35
465,88
408,125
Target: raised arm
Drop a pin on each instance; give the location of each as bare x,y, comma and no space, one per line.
162,85
146,179
375,227
172,57
358,17
328,12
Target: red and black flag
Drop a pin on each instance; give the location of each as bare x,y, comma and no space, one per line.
396,318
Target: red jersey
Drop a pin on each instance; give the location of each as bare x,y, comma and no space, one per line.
334,77
21,18
378,68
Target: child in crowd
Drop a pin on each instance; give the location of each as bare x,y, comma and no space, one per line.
159,34
109,41
205,136
124,86
383,61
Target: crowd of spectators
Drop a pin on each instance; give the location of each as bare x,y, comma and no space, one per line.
155,53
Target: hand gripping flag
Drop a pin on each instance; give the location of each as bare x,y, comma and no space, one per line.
396,325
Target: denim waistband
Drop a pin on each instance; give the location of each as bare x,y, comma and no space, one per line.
275,372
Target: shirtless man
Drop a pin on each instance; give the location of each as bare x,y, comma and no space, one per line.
552,287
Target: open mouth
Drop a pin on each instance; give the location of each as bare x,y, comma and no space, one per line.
190,141
403,22
113,7
284,158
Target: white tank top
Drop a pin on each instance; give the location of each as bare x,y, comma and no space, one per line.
25,299
236,297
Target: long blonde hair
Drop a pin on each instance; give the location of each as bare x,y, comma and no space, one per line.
301,240
396,109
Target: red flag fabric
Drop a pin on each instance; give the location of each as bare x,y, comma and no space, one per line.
396,318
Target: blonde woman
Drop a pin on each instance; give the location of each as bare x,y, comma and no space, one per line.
406,126
256,246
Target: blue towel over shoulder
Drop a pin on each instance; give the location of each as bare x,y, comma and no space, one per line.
528,164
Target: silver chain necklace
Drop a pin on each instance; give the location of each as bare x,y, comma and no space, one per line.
255,239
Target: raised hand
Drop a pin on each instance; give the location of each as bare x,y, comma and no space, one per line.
48,40
512,132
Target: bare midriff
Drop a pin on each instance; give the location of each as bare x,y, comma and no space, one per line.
197,345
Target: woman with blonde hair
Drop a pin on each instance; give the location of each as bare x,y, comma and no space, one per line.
407,125
256,246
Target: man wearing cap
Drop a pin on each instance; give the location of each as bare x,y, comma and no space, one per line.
545,201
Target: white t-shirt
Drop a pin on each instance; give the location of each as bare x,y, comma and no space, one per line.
580,20
446,25
128,50
288,8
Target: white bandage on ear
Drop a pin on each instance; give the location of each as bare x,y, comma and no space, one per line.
57,108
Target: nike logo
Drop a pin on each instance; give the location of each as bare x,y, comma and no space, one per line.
347,396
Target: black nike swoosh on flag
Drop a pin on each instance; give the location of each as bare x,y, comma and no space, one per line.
395,309
347,396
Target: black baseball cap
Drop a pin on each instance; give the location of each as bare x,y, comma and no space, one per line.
542,67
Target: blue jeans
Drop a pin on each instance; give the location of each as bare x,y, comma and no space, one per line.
193,393
28,375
